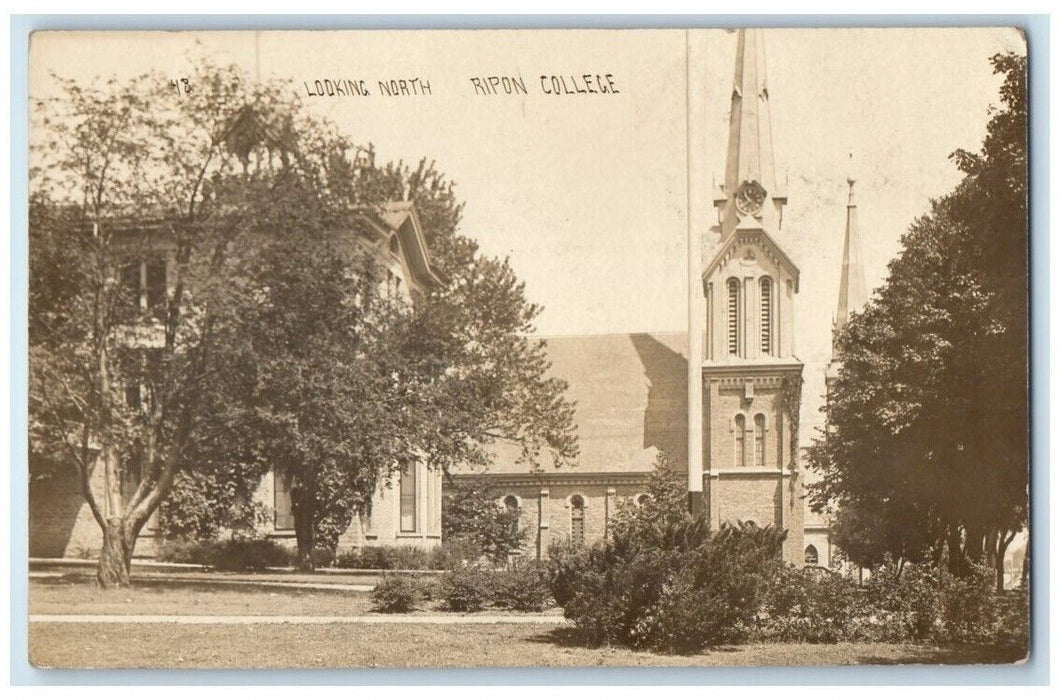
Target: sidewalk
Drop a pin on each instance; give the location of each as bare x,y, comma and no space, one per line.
378,619
228,580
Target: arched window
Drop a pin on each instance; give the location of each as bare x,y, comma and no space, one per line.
732,316
408,491
577,520
642,499
766,308
760,440
511,502
741,440
395,246
810,556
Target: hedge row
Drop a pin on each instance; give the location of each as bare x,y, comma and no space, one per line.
251,554
467,589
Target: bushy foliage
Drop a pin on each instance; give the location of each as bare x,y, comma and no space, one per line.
448,555
472,513
670,587
454,554
467,589
970,607
903,603
384,558
896,604
397,593
928,417
524,588
662,580
811,605
236,554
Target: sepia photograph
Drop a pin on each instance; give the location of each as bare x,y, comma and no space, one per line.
528,348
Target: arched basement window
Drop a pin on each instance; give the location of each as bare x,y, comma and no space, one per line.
760,440
767,315
732,316
741,440
811,556
577,520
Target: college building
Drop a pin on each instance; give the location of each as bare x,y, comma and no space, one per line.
719,399
729,417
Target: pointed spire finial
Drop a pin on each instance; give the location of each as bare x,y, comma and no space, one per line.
750,173
852,277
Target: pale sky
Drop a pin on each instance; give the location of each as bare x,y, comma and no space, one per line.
588,194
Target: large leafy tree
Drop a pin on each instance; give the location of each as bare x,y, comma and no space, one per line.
439,380
268,344
926,446
127,180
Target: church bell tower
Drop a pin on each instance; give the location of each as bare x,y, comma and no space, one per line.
748,378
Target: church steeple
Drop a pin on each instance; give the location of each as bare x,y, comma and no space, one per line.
750,173
852,278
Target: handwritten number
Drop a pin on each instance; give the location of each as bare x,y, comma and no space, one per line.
181,85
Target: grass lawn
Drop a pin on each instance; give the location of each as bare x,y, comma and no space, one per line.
409,645
347,645
65,597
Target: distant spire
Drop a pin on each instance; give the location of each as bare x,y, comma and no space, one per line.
750,173
852,279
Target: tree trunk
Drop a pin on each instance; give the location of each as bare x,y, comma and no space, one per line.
999,563
1026,577
954,555
303,528
115,558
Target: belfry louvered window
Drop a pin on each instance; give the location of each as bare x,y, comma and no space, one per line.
767,315
732,316
740,428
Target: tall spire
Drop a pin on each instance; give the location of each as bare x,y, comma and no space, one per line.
750,173
852,280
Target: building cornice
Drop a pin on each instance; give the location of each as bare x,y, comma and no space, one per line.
560,478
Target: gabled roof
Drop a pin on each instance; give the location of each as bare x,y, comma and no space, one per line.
730,243
630,392
401,218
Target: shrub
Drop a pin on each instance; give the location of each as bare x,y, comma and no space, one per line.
666,584
384,558
970,607
905,607
811,605
252,554
397,593
454,554
471,512
524,588
467,589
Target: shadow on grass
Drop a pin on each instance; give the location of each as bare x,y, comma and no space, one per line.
953,655
567,637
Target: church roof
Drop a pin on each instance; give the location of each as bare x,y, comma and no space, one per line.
630,392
